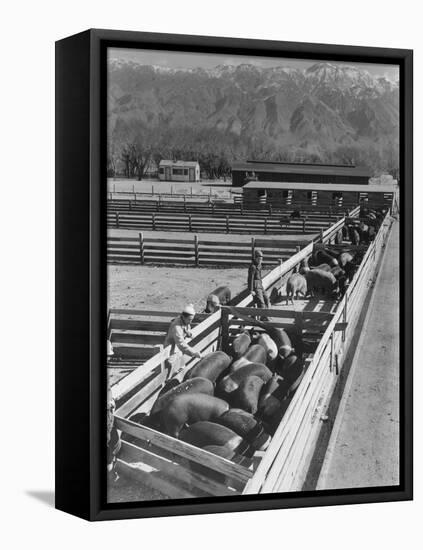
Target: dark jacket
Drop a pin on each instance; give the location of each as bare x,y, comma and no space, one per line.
254,276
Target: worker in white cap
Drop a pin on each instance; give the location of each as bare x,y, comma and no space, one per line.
255,282
179,331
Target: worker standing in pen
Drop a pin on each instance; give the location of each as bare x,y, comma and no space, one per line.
255,282
179,331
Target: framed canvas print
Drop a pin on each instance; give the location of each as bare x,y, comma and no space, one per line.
233,274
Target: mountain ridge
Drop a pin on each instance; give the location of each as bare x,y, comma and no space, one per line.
326,112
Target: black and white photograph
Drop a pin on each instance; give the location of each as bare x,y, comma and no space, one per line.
253,289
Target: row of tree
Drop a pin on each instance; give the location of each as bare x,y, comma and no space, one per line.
133,148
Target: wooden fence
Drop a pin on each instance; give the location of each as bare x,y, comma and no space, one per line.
181,470
218,224
137,335
219,207
196,252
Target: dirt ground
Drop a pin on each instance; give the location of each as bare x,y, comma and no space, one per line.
364,447
168,288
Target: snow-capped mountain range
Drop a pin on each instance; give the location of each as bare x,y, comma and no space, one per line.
319,110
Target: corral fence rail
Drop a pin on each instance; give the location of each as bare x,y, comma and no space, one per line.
197,252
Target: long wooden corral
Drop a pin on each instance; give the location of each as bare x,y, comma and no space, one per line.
178,469
286,461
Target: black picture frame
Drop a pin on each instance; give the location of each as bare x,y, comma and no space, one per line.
81,273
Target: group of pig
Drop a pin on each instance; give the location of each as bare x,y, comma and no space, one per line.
231,403
327,273
363,230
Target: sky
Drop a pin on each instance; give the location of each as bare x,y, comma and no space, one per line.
181,60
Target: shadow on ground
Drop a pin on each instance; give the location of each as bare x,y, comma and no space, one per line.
46,497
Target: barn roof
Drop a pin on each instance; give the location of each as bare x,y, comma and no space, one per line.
371,188
285,168
178,163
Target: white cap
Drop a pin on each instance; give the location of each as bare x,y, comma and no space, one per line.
189,309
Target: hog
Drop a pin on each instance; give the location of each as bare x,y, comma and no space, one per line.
296,284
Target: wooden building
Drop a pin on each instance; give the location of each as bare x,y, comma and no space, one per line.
298,194
244,172
179,170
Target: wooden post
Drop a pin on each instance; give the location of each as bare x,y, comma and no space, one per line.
159,203
336,364
227,224
185,203
241,207
114,188
280,265
133,187
153,221
152,189
141,241
299,321
191,190
345,315
253,246
117,219
225,329
321,235
171,189
196,251
304,225
189,223
265,226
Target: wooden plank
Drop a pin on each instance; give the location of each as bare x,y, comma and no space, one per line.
120,239
136,338
279,313
149,240
152,480
199,456
151,387
131,453
220,243
144,312
138,352
135,324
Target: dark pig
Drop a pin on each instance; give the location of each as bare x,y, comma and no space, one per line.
232,381
246,426
247,395
321,282
211,366
189,408
324,257
255,354
194,385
